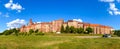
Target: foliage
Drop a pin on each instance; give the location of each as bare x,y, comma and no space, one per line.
31,31
11,31
16,31
1,33
67,29
80,30
89,30
8,32
117,32
36,31
39,33
72,29
76,30
62,29
23,33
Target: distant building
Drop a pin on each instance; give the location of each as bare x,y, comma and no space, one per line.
55,26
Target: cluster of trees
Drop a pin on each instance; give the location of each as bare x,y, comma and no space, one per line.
17,32
36,32
80,30
11,31
117,32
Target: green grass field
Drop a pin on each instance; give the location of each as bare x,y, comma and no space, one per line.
57,42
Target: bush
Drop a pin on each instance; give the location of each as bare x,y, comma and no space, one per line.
31,31
23,33
39,33
8,32
1,33
88,30
117,32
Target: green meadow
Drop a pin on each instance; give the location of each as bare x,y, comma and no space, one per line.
68,41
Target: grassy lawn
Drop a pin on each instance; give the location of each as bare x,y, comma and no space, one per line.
57,42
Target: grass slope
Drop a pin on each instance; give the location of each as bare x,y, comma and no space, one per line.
57,42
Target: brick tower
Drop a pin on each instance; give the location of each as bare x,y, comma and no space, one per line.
30,22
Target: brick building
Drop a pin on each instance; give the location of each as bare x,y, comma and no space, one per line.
55,26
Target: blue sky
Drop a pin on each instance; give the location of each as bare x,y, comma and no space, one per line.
105,12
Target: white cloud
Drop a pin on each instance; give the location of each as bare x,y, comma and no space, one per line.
11,1
117,12
112,10
79,20
107,0
113,7
15,23
13,6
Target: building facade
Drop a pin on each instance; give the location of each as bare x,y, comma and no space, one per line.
55,26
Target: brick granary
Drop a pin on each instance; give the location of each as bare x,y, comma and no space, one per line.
55,26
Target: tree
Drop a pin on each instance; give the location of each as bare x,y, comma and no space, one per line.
16,31
36,31
80,30
31,31
89,30
62,29
67,29
11,31
1,33
8,32
72,29
117,32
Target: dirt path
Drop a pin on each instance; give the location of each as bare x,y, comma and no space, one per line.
88,36
115,37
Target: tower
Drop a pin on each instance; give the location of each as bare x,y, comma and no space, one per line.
30,22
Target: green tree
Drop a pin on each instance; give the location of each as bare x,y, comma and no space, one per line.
8,32
80,30
89,30
67,29
16,31
72,29
62,29
11,31
36,31
117,32
1,33
31,31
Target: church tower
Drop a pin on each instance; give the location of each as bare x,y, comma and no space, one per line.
30,22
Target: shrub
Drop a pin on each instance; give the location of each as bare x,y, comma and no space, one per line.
80,30
88,30
31,31
1,33
39,33
8,32
36,31
117,32
62,30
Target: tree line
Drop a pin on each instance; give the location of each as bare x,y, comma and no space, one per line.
17,32
117,32
67,29
72,29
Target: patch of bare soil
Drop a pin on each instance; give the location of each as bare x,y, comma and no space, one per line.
88,36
